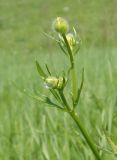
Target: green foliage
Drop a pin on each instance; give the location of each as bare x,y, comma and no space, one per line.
30,131
40,71
27,129
58,85
24,21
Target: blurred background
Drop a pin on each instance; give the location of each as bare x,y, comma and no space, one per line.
22,22
29,130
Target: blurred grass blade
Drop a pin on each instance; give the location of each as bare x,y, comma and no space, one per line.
32,129
40,71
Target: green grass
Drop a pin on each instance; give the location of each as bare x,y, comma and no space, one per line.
30,130
22,22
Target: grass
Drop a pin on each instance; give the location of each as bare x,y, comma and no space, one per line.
24,21
30,130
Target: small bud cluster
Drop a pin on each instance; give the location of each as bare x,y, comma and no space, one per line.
61,26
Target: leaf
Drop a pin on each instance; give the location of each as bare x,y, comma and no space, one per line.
62,48
77,50
80,89
40,71
55,94
33,96
48,101
75,33
43,100
49,36
47,68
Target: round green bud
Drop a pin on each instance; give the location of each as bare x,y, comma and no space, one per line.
60,25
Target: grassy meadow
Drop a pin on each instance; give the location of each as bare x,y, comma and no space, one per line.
30,130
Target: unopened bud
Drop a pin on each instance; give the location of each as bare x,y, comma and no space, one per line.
55,83
71,40
60,25
61,83
51,82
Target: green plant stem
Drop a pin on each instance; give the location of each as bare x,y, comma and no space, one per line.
69,50
74,86
73,114
85,134
64,99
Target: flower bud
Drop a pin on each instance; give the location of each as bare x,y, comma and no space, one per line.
55,83
61,83
71,40
51,82
60,25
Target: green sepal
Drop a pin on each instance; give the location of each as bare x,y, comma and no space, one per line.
40,71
